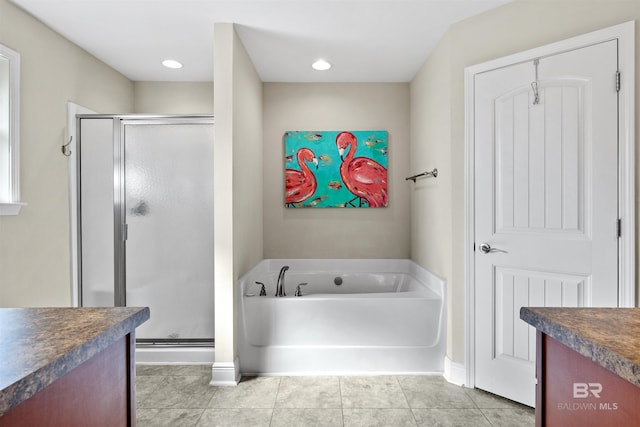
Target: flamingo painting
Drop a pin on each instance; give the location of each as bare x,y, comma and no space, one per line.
300,184
357,180
364,177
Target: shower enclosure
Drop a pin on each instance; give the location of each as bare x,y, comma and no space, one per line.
145,221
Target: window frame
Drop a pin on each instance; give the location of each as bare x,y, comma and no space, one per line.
11,170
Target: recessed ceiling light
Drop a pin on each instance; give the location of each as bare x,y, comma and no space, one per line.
171,63
321,65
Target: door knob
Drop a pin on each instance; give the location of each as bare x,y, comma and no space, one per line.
486,248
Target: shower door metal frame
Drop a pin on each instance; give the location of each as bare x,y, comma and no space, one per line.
119,193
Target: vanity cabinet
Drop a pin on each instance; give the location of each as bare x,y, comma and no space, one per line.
587,366
68,366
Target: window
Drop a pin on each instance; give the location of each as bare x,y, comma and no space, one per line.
9,132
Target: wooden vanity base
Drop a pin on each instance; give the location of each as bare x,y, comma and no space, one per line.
572,390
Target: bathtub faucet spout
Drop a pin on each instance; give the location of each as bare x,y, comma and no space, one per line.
280,292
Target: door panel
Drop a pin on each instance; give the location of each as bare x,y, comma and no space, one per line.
526,154
546,198
96,217
169,249
515,288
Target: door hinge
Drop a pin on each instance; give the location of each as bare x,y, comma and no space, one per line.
619,227
617,81
125,232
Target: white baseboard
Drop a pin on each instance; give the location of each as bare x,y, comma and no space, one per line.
454,372
225,373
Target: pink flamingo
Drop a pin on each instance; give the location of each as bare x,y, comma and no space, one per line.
300,185
364,177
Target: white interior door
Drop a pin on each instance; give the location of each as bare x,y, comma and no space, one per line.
546,203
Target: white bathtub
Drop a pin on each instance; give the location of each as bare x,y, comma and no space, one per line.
385,317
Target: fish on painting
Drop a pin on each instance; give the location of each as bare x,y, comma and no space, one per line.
335,185
325,159
313,136
316,200
372,141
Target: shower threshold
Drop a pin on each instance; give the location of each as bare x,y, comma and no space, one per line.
175,342
170,351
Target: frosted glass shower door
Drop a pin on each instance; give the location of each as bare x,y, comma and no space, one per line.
96,212
168,194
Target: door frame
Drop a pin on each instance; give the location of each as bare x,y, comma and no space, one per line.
74,211
625,34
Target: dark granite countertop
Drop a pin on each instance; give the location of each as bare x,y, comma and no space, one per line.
39,345
609,337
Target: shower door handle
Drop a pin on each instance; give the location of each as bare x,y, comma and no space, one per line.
486,248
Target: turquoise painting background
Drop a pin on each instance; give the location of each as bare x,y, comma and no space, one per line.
331,192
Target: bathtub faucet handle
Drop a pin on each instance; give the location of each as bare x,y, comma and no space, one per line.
298,291
263,292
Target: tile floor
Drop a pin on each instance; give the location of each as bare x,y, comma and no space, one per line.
181,396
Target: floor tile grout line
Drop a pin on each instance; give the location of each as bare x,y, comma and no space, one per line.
486,418
275,400
156,387
467,392
341,402
397,378
413,414
200,417
215,391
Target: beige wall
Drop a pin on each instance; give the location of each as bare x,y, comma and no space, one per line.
431,198
237,169
336,233
173,97
34,246
509,29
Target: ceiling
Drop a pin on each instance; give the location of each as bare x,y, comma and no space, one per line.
364,40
